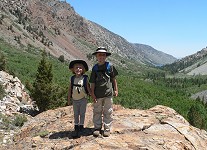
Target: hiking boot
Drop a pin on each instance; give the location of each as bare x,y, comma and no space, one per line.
81,128
96,132
75,132
106,133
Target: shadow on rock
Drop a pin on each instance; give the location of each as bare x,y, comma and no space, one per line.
69,134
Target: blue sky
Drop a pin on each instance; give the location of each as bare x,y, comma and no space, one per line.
175,27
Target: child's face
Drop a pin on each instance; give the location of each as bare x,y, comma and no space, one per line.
78,69
101,57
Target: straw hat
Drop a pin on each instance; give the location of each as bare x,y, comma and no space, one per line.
101,50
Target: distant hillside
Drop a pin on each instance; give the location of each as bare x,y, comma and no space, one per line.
195,64
154,56
55,26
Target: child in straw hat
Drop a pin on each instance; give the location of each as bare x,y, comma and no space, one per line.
77,91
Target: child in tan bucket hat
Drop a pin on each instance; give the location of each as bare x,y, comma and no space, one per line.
103,87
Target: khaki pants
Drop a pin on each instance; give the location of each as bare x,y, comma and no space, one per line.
104,106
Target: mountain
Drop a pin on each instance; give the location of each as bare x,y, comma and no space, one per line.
195,64
153,56
54,25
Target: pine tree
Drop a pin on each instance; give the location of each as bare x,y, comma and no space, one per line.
197,116
42,87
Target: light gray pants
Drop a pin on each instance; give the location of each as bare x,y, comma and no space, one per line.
79,108
103,106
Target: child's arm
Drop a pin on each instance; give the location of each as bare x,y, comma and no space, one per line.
69,93
115,87
92,92
88,88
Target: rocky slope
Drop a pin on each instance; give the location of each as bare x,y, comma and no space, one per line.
195,64
158,128
16,98
16,101
55,26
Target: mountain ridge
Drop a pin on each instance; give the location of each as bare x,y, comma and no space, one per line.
55,26
192,65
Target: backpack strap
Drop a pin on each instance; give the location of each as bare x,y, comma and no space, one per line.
85,77
108,66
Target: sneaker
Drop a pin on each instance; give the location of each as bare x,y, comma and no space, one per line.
106,133
96,132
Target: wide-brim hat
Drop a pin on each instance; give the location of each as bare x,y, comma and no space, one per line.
101,50
72,63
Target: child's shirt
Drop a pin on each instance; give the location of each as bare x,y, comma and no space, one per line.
78,91
102,80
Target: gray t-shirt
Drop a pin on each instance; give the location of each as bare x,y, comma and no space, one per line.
102,79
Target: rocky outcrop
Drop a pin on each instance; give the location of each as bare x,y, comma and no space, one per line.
158,128
16,98
16,101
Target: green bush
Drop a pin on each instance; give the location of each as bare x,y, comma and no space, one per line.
61,58
5,122
10,122
19,120
42,133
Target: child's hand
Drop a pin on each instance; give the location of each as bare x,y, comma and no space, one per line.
115,93
94,101
94,98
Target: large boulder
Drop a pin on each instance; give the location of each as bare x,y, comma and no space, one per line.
158,128
16,101
16,98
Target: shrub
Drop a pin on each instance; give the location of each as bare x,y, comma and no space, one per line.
61,58
42,133
19,120
5,122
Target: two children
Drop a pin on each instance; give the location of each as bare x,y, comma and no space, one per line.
103,87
